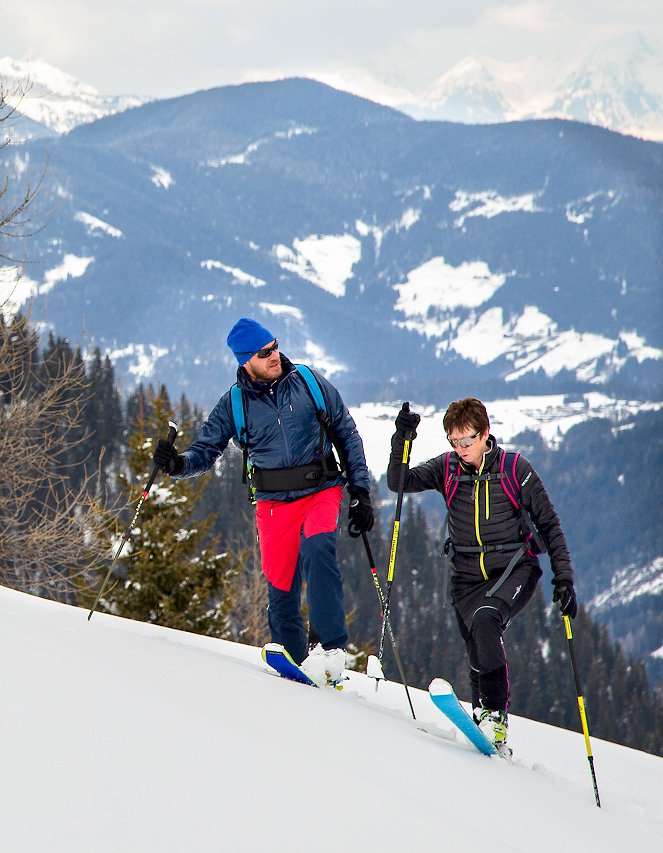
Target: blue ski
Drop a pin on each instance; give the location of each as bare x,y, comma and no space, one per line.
444,698
278,658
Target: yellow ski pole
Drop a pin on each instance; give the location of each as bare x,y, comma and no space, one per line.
392,639
581,708
394,537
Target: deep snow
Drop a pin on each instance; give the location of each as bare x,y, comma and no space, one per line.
121,736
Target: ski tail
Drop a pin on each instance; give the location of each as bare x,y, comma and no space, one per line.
276,656
443,697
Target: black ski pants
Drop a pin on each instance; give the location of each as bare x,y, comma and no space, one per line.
482,621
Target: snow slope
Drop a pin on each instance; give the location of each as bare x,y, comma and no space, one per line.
120,736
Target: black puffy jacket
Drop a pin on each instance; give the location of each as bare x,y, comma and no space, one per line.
482,514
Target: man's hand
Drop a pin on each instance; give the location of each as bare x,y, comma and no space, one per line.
360,514
167,458
566,595
407,421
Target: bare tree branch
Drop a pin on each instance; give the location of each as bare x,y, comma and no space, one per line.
52,536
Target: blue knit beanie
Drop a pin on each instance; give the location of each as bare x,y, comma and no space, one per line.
246,337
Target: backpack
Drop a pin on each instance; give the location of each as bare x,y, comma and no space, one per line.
533,543
238,404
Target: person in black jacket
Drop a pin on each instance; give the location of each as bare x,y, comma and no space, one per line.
494,572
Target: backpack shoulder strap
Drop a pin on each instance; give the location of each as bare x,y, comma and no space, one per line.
509,479
450,481
324,419
237,405
239,417
313,386
511,487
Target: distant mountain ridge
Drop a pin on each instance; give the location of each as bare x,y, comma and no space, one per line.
617,84
55,100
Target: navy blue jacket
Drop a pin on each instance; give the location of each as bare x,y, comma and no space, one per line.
283,431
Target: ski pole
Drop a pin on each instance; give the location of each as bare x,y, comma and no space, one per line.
394,536
378,590
581,708
172,432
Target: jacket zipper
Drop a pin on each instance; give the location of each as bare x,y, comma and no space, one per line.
477,494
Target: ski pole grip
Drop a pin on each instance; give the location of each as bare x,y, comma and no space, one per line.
172,431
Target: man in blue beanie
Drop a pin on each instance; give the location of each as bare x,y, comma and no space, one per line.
288,441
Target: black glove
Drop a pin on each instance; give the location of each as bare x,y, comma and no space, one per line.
407,421
566,595
360,514
167,458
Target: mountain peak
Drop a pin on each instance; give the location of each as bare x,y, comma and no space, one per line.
55,99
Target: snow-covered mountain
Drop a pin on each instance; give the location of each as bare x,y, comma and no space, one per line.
525,254
54,99
407,260
129,737
617,84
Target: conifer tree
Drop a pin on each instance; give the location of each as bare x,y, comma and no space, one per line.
175,575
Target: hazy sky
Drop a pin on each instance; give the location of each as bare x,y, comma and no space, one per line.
172,47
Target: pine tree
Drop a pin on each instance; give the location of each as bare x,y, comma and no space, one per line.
175,575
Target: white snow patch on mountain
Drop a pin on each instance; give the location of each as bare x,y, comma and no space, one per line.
631,582
16,289
285,311
363,229
580,352
484,338
292,132
325,261
240,159
94,225
578,212
551,416
161,177
531,340
435,287
316,355
236,273
638,348
409,218
489,204
71,267
142,358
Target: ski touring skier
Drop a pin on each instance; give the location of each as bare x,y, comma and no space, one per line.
297,483
499,518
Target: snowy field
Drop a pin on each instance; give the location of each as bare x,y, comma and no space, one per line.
119,737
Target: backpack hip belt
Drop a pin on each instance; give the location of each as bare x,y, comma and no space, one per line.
294,479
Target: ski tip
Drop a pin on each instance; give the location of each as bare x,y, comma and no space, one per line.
440,687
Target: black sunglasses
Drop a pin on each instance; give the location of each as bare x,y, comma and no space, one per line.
265,352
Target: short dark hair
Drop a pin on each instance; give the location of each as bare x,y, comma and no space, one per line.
467,413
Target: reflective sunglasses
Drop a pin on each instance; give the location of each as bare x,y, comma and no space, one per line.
463,442
265,352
